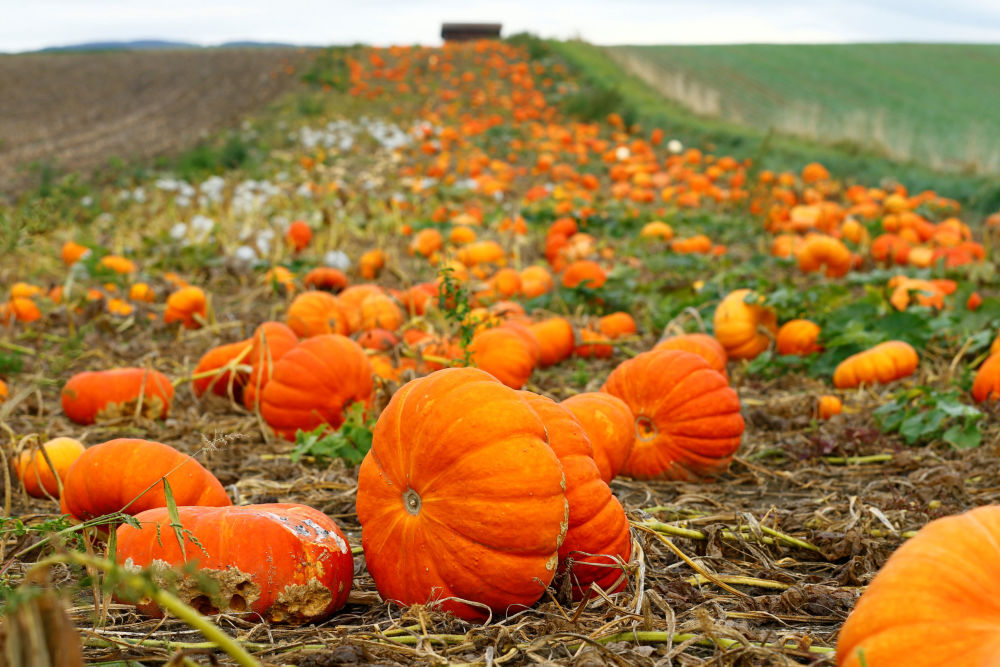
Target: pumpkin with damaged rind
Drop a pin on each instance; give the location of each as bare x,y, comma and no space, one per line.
687,417
314,382
610,427
705,346
299,570
96,395
468,508
742,327
34,471
987,383
598,535
884,363
940,583
109,476
271,341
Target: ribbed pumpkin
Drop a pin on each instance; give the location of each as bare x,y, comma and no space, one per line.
598,533
380,311
687,418
315,313
741,327
326,278
461,497
986,386
314,382
556,338
503,354
798,337
34,472
109,476
940,584
289,563
820,251
886,362
705,346
610,428
271,341
350,302
187,306
98,395
216,359
523,330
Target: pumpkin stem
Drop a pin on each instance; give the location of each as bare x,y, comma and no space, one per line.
412,502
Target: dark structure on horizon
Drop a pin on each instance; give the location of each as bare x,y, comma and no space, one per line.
463,32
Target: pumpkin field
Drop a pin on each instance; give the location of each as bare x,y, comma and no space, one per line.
459,363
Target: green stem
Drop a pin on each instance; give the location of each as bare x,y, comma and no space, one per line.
856,460
658,637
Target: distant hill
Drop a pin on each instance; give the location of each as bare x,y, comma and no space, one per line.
159,44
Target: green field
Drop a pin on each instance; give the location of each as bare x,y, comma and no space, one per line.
937,104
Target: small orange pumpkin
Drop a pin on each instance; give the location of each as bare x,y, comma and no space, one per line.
503,354
986,386
584,272
326,278
886,362
556,338
829,406
798,337
314,313
743,328
187,306
34,472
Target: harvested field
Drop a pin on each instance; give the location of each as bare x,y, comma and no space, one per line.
74,111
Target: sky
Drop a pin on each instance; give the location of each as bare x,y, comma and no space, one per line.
32,24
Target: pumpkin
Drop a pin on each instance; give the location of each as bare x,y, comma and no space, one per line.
73,252
370,263
271,341
556,338
313,383
610,428
34,472
527,336
187,306
426,242
504,284
617,325
378,339
380,311
482,252
705,346
883,363
535,281
217,359
468,509
98,395
314,313
687,417
828,406
289,563
593,345
298,235
127,471
798,337
940,583
743,327
503,354
584,272
326,278
657,229
986,386
4,392
598,533
820,251
350,302
141,292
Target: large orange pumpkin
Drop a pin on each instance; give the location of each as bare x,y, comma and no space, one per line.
34,472
687,417
503,354
98,395
610,427
314,382
941,583
461,498
703,345
271,341
289,563
314,313
883,363
743,327
127,471
598,535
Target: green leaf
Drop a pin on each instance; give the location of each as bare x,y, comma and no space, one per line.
175,517
964,437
